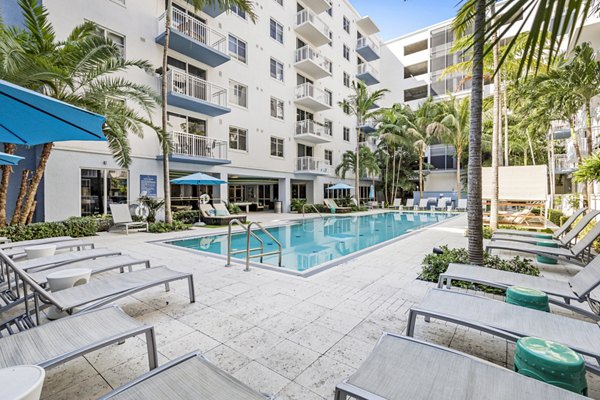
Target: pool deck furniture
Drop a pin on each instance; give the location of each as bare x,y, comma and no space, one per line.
67,258
23,382
187,377
401,367
208,215
122,219
397,204
461,205
566,240
71,245
561,293
35,242
580,253
245,204
507,321
332,205
557,234
62,340
442,203
221,208
423,204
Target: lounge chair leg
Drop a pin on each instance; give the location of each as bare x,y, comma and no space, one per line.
441,282
151,344
412,319
167,287
192,289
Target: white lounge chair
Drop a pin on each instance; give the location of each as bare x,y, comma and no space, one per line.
423,204
462,205
557,234
122,218
397,204
442,203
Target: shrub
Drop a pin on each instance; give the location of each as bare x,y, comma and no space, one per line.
296,204
162,227
234,208
487,231
555,216
186,216
310,210
436,264
81,226
76,227
103,222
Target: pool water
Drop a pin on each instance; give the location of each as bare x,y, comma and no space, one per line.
313,242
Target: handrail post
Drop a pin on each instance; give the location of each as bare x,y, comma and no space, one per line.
248,248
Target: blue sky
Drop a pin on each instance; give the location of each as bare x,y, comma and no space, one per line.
397,17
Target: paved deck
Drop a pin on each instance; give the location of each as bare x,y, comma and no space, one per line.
288,336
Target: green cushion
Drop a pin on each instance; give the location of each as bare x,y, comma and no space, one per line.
527,297
546,260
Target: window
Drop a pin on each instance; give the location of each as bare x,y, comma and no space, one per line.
276,108
238,11
330,39
346,24
102,187
328,97
329,157
238,138
276,70
276,31
276,147
328,125
238,94
346,80
346,52
237,49
117,39
346,108
346,134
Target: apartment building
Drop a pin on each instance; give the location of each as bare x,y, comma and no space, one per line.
255,104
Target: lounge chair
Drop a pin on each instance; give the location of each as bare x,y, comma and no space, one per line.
400,367
187,377
507,321
210,217
558,233
71,245
63,340
221,210
423,204
397,204
442,203
516,218
35,242
561,293
410,203
566,241
332,205
580,253
462,205
122,219
67,258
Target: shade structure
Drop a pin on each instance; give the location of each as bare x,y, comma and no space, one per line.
340,186
9,159
31,118
198,179
371,192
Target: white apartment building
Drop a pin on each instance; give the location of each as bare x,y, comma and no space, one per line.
255,104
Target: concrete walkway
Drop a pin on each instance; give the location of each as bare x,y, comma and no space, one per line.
288,336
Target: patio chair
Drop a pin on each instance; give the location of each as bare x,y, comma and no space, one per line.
557,234
462,205
35,242
400,367
62,340
397,204
70,245
442,203
221,210
507,321
332,205
561,293
580,253
122,219
210,217
66,258
187,377
566,241
410,203
423,204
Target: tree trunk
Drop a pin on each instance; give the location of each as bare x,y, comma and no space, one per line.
530,146
590,140
505,126
16,218
475,214
420,174
385,180
357,166
35,182
165,145
575,139
9,148
394,175
458,185
495,138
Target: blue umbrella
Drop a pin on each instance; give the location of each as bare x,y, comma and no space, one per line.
31,118
197,179
9,159
340,186
371,192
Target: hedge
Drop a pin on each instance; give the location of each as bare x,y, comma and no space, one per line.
75,227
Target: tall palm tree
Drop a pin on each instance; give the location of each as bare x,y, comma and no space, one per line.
456,118
367,166
80,71
244,5
363,105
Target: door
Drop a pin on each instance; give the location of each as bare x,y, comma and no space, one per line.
304,150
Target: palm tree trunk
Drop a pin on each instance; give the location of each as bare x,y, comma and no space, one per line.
475,214
495,137
16,218
357,166
505,103
165,144
590,139
385,180
530,146
9,148
420,174
394,175
575,139
458,185
35,182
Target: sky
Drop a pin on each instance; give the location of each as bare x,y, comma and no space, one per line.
398,17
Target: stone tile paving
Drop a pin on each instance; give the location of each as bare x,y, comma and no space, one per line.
287,336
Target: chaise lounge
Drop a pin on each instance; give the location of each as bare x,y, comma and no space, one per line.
557,234
122,219
333,206
212,216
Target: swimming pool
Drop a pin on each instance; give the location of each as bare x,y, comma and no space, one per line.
311,244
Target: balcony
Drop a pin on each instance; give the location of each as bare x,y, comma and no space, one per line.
312,63
195,94
367,74
318,6
563,165
315,99
311,131
313,166
367,25
367,49
196,149
368,126
191,37
310,27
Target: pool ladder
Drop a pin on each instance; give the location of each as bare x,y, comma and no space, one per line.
313,207
248,250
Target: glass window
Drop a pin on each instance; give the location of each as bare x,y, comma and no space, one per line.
117,39
346,108
328,127
346,79
276,147
346,24
330,39
238,94
276,70
328,97
238,138
238,11
277,108
346,52
102,187
298,190
276,31
346,134
329,157
237,49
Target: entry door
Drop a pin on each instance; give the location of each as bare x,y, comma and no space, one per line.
304,150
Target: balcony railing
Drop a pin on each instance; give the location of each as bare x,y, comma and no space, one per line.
195,29
367,42
189,85
367,69
308,53
310,127
188,144
307,15
313,165
309,90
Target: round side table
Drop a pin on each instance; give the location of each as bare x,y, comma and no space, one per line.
23,382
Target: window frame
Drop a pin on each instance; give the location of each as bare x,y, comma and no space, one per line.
277,63
279,147
346,134
346,24
232,93
239,12
105,34
346,52
277,102
330,159
277,25
237,130
235,54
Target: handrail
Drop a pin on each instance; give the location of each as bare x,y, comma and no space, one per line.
229,252
266,232
314,207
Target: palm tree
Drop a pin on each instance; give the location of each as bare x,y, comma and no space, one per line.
367,166
456,130
80,71
244,5
363,105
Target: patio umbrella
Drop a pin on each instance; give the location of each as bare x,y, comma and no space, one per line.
198,179
31,118
340,186
9,159
371,192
